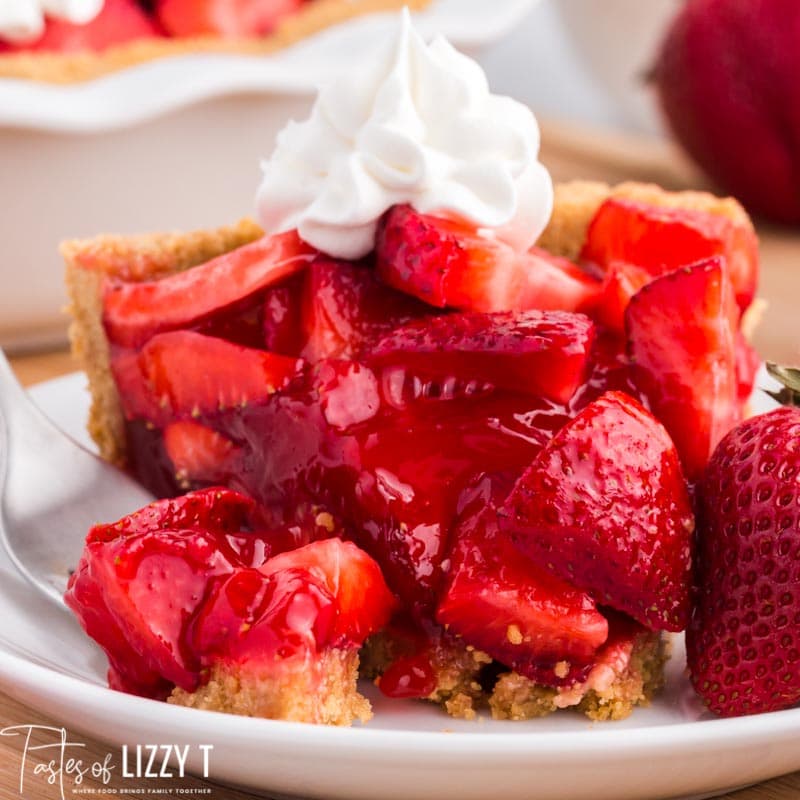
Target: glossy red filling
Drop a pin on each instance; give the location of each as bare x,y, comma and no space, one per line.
339,400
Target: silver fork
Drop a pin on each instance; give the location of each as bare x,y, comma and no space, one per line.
52,491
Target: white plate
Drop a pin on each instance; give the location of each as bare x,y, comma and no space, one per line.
149,90
409,750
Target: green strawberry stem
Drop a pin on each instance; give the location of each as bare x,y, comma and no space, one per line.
789,378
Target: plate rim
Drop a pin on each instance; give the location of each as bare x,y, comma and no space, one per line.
592,741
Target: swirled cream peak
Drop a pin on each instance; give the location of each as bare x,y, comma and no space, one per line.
417,125
22,21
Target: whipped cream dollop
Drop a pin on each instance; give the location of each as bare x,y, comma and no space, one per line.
22,21
416,124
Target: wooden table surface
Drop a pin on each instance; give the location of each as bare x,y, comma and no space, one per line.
569,154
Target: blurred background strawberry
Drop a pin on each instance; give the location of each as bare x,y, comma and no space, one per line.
728,80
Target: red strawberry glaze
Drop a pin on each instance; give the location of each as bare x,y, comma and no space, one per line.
410,676
391,471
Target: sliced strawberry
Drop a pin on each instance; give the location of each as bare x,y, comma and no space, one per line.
105,609
128,671
620,283
199,454
133,312
216,509
345,307
326,594
136,398
363,601
543,353
448,263
609,371
232,18
188,374
152,582
502,603
552,282
119,21
681,340
605,506
611,663
661,239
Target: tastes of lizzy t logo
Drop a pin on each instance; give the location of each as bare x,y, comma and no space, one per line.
47,754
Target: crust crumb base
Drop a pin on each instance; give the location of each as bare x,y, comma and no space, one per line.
324,692
518,698
468,680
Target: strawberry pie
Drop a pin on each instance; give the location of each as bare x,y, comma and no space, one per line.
433,421
62,41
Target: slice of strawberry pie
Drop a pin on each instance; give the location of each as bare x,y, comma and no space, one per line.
507,464
192,601
429,369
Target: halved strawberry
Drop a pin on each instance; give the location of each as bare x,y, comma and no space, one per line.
133,312
543,353
515,610
233,18
119,21
620,283
188,374
605,506
448,263
682,344
661,239
363,600
199,454
345,307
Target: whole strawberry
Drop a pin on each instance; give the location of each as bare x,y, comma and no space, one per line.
743,641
